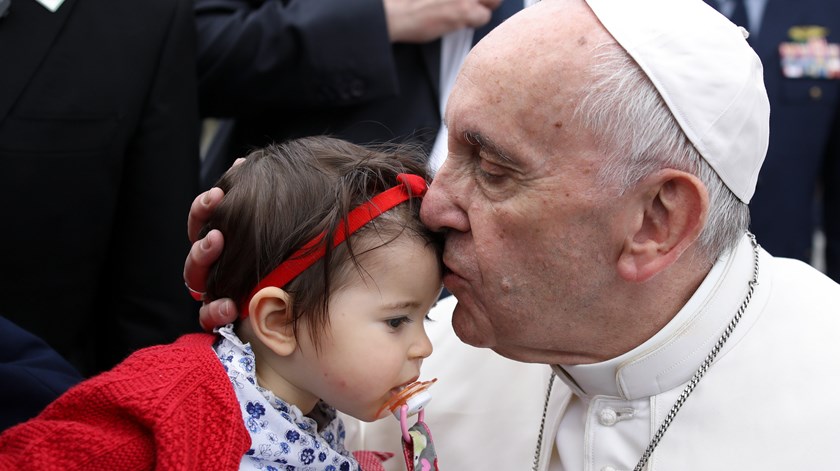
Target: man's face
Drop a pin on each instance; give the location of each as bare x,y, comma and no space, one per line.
529,246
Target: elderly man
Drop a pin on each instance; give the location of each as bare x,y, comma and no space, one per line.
594,200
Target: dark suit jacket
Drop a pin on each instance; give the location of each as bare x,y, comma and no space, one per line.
286,69
99,150
803,159
33,375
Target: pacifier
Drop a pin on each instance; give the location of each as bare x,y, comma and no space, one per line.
410,401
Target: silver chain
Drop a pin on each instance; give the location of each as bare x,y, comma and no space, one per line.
542,423
704,366
691,384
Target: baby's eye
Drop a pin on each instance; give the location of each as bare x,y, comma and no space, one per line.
397,322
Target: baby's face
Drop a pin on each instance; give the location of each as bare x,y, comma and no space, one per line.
376,340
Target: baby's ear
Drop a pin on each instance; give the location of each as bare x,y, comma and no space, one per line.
271,320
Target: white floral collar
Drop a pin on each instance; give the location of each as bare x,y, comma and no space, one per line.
282,437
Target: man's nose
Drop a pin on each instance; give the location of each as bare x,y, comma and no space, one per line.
442,206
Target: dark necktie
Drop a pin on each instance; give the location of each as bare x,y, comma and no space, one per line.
739,14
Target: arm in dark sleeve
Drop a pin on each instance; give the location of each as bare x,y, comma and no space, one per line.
33,374
258,55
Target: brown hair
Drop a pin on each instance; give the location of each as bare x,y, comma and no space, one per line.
285,195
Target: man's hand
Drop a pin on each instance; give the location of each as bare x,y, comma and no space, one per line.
419,21
202,207
202,256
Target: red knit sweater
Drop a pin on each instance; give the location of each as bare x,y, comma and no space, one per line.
169,407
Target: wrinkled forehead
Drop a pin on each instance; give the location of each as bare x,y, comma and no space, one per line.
531,67
548,35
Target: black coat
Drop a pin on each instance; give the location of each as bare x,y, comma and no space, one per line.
291,68
33,375
99,150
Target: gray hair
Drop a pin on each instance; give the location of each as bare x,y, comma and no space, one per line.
640,136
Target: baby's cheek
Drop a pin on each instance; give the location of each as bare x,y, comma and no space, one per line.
348,384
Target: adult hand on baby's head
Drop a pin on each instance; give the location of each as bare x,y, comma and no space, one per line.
200,211
217,313
202,256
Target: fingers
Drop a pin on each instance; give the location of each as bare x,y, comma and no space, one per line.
415,21
201,209
217,313
491,4
202,256
479,15
203,206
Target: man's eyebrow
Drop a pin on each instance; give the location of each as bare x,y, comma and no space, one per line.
487,144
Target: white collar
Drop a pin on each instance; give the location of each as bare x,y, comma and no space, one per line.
669,358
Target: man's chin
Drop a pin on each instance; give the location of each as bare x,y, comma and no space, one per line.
468,331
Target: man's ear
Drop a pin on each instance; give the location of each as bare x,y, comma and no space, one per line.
271,318
673,207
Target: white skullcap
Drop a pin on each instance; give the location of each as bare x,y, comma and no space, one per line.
706,73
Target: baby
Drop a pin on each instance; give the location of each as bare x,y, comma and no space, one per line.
333,273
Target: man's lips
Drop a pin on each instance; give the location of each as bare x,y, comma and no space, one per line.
450,267
452,278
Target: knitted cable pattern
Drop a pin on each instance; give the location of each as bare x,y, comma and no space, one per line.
168,407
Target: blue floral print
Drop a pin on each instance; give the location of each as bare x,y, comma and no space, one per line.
255,409
282,437
247,364
307,456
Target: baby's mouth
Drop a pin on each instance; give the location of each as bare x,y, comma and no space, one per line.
406,384
404,393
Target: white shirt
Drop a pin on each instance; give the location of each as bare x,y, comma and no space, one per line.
454,47
620,403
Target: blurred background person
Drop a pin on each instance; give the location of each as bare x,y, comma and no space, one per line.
33,374
99,146
798,188
367,71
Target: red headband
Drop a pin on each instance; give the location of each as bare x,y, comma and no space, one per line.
410,186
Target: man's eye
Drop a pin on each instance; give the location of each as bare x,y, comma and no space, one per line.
489,171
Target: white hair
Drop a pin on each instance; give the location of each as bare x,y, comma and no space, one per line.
640,136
